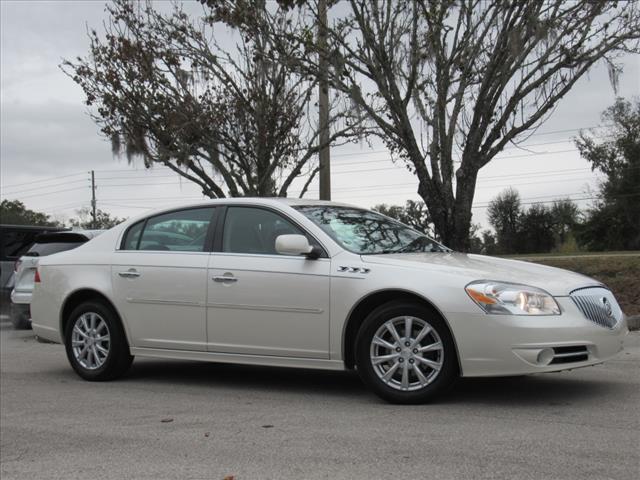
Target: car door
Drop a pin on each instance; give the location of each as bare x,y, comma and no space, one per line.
261,302
159,278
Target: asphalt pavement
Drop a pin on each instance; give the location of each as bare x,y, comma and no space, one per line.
187,420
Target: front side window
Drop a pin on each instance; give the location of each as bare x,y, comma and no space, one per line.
133,237
365,232
181,231
254,230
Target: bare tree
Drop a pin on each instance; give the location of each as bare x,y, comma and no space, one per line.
235,120
413,213
449,84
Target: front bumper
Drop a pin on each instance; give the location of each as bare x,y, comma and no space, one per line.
503,345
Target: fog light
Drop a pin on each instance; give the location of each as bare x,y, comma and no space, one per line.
545,356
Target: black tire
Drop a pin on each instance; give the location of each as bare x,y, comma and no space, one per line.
118,359
20,317
441,380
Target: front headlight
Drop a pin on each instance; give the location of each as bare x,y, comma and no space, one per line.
511,298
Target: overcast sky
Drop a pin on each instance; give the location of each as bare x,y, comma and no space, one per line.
48,144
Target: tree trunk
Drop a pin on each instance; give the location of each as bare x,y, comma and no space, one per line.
452,224
465,191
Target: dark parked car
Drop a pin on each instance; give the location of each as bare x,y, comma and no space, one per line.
25,268
15,240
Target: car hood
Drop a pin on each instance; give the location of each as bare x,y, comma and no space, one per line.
469,267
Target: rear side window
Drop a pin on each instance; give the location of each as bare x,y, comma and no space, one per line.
44,249
180,231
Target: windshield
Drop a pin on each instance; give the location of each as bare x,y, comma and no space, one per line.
365,232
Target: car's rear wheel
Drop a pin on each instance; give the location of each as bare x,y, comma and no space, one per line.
405,353
95,342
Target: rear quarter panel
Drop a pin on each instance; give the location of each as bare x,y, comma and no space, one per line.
58,283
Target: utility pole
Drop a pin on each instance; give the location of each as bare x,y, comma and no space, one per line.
323,84
93,199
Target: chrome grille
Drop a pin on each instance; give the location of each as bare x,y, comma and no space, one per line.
598,305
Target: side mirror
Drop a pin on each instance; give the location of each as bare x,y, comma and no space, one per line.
295,245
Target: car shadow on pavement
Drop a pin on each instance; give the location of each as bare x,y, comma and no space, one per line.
547,389
557,389
554,389
247,377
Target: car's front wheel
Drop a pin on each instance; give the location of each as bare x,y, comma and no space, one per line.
95,342
405,353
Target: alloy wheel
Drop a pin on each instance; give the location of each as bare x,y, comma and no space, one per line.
90,340
406,353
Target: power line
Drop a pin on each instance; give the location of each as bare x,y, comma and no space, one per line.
43,180
347,154
64,205
481,181
126,206
155,198
156,168
407,185
153,184
74,207
51,193
396,167
19,192
524,201
550,173
172,174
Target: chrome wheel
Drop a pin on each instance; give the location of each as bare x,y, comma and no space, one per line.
406,353
90,340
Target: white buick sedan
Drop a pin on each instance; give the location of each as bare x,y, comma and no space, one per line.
309,284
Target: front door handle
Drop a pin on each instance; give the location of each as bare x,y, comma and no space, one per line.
129,274
223,279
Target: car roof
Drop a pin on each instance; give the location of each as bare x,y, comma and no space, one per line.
205,202
305,201
250,200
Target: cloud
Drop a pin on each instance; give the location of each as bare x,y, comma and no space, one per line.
50,138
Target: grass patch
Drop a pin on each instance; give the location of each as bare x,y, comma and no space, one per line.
620,274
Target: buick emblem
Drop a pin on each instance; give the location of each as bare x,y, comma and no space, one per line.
607,306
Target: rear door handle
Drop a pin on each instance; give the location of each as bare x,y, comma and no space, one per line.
129,274
225,279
